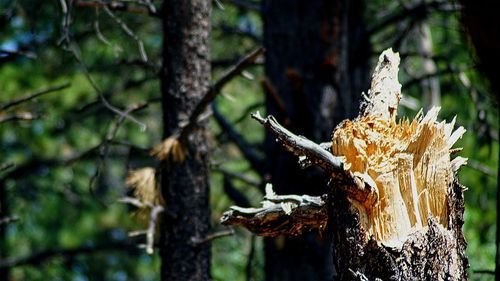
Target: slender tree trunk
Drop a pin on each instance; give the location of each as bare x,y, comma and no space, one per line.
185,78
316,67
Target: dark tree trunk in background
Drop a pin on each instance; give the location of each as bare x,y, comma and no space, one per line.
185,78
317,64
481,25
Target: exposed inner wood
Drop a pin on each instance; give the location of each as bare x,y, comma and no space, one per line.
406,163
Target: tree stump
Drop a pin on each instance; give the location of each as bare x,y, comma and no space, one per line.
393,207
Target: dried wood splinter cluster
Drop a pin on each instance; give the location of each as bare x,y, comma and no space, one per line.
406,164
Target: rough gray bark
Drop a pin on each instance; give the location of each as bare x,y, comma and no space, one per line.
435,253
185,78
316,67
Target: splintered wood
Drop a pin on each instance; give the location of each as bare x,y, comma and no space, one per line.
406,164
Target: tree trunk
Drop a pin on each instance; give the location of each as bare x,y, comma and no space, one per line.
185,78
393,208
316,67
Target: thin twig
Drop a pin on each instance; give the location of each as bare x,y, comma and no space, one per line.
153,217
223,233
22,116
238,198
129,32
121,6
251,254
155,210
476,165
240,176
17,53
7,220
31,96
104,145
104,101
6,166
485,271
246,149
40,257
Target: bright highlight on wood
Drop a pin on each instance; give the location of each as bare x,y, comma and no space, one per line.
408,165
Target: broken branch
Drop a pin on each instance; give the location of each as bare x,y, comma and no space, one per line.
301,146
280,215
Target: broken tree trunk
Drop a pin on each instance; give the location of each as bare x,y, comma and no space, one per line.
393,207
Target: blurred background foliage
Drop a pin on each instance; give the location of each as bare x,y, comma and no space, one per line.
62,174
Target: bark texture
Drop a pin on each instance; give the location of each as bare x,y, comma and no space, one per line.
316,66
185,78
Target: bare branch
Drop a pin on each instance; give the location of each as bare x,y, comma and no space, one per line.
6,166
40,257
216,88
234,194
223,233
150,236
419,10
153,218
301,146
22,116
121,6
248,151
476,165
33,95
240,176
129,32
7,220
75,51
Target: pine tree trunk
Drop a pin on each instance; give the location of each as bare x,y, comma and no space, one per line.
316,67
185,78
